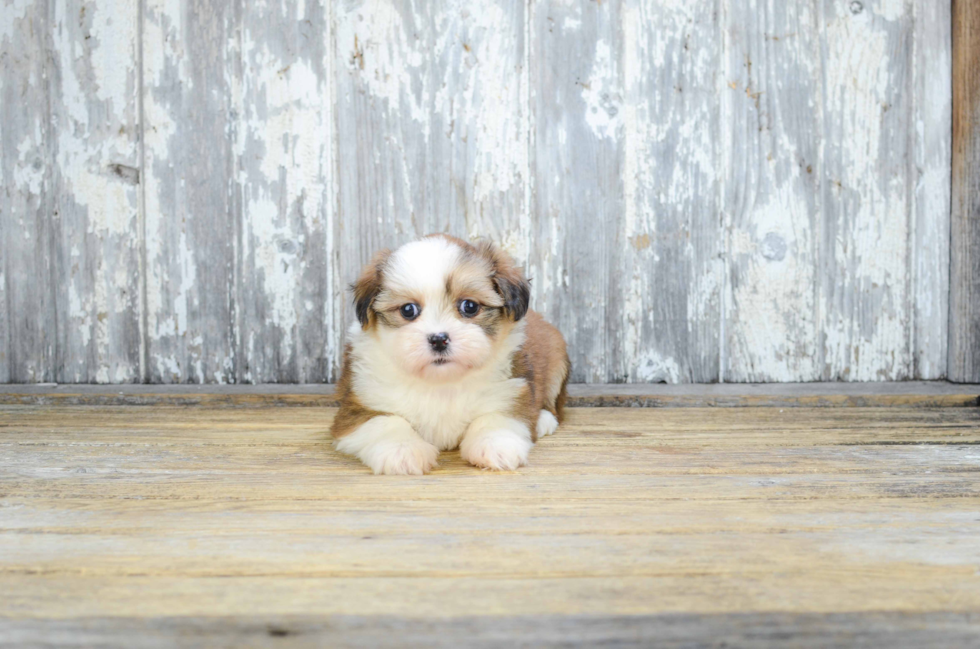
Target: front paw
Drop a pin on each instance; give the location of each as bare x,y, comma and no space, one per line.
402,458
500,450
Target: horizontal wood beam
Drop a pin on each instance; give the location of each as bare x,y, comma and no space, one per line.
781,395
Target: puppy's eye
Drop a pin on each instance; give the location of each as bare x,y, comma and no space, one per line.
410,311
468,308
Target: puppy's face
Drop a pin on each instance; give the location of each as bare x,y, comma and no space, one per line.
438,306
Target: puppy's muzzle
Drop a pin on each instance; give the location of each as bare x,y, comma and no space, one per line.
439,342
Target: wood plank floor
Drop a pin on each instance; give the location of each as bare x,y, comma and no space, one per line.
152,526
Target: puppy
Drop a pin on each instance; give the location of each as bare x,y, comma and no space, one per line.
445,353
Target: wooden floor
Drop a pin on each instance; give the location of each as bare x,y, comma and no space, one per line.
152,526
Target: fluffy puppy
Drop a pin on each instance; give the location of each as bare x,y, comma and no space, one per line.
445,353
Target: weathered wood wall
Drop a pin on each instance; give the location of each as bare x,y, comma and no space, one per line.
736,190
964,294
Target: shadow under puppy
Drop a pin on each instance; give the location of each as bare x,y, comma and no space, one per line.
445,353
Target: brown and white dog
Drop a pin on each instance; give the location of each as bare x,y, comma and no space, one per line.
445,353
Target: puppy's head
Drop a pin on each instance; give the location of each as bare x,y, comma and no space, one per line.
439,305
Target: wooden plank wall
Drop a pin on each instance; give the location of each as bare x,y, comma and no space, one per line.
734,190
964,295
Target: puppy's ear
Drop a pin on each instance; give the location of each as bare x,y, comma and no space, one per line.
508,280
367,287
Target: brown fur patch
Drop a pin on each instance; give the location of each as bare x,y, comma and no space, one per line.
490,319
352,413
508,280
367,287
542,361
390,318
559,411
523,410
473,280
387,307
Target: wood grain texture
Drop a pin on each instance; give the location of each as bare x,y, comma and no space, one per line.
28,314
71,173
625,131
772,200
964,288
835,268
193,207
195,521
577,185
736,190
286,285
670,264
863,243
931,193
679,630
95,116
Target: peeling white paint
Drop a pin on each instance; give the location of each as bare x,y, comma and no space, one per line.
14,11
930,250
771,310
285,151
890,9
601,93
30,169
84,154
832,269
169,368
871,344
769,307
636,173
113,33
653,368
377,37
277,270
502,160
93,128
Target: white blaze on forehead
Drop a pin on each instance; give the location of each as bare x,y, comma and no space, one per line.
422,266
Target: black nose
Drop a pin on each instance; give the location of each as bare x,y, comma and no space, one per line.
439,342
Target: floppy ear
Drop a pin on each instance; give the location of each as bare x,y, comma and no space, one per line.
367,287
508,280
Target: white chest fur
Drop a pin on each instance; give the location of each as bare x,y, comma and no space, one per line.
439,412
